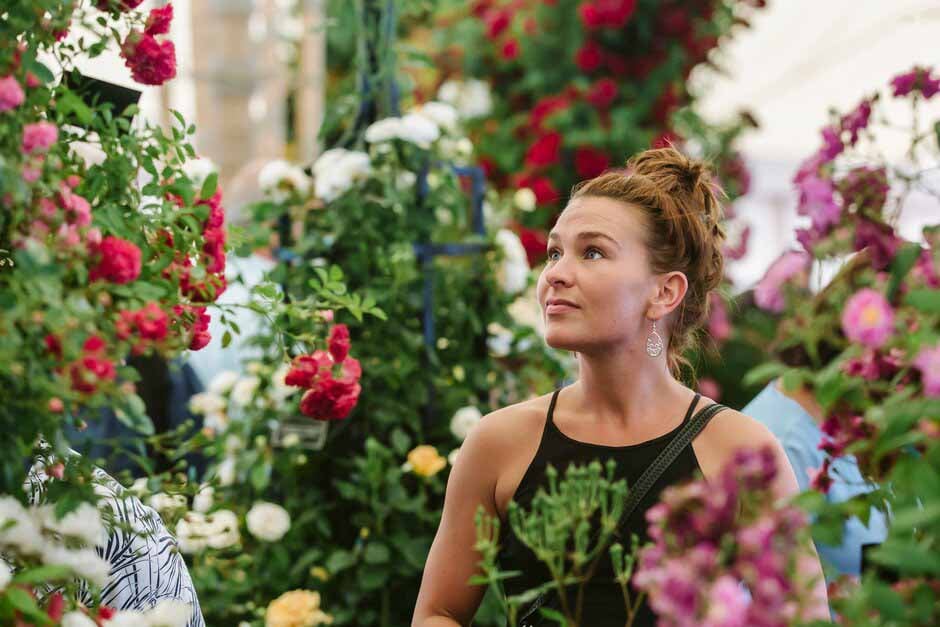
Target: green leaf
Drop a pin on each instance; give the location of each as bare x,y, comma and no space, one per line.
401,442
261,476
377,553
21,600
226,339
209,186
926,300
373,578
902,264
43,574
68,103
764,373
339,560
132,412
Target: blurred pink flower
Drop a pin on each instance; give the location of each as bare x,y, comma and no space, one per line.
727,604
857,120
817,202
39,137
928,362
868,318
719,326
918,78
11,94
768,294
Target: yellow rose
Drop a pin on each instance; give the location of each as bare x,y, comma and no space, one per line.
425,460
297,608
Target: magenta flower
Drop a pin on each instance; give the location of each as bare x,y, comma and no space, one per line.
857,120
817,202
880,241
917,79
768,294
727,604
719,326
868,318
928,362
11,94
39,137
865,188
832,143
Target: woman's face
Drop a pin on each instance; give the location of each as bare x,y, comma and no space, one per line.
597,262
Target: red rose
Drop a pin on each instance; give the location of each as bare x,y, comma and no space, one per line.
535,242
590,162
124,325
199,326
151,62
590,16
158,22
497,21
89,371
105,612
545,192
53,345
602,93
94,344
545,151
589,56
152,322
616,13
330,400
307,369
119,261
339,342
122,5
352,371
510,50
545,107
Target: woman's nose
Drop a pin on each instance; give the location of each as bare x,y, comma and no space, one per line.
558,272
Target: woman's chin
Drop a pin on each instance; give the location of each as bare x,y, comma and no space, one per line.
562,341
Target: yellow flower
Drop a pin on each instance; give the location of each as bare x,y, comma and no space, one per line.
426,461
297,608
320,573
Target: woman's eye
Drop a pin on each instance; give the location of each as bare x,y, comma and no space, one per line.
553,251
594,250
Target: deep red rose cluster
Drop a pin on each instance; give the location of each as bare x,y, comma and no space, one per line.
118,261
92,368
151,61
195,321
328,396
148,325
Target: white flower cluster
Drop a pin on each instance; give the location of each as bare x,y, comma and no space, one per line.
219,530
281,179
35,532
471,98
267,521
514,273
166,613
229,394
337,170
418,129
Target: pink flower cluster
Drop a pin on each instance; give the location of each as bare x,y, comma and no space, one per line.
148,326
118,261
722,555
151,61
11,94
93,368
768,293
327,396
68,215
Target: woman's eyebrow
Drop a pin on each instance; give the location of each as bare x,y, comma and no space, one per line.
588,235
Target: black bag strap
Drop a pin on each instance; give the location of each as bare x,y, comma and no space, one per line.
648,479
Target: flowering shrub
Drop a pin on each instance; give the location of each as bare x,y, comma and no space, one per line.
866,345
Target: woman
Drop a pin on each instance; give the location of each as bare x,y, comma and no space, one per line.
631,262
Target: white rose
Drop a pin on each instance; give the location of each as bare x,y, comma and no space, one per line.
418,130
84,563
222,382
6,574
198,170
464,419
268,521
222,529
128,618
337,170
169,613
452,457
18,528
203,500
471,98
244,390
77,619
280,179
167,504
83,523
191,533
524,199
383,130
442,114
514,273
226,471
207,403
500,339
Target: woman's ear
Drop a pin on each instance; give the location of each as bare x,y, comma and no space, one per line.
670,290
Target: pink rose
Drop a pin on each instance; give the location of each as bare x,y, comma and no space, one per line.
11,94
119,262
727,604
868,318
201,335
928,362
306,370
331,399
151,62
39,137
158,22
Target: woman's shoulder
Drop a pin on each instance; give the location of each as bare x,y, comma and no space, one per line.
509,429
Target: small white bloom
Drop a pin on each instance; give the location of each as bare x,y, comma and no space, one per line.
442,114
418,130
6,574
226,471
244,390
471,98
167,504
83,523
84,563
198,170
405,179
78,619
383,130
233,444
281,179
524,199
203,500
222,528
190,533
169,613
464,147
500,339
128,618
139,487
267,521
18,528
452,457
223,382
291,439
514,274
337,170
254,367
464,419
206,403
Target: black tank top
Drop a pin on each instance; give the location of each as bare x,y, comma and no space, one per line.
603,599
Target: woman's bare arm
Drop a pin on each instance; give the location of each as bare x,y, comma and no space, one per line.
445,598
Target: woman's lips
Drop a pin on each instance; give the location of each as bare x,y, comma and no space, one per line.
559,308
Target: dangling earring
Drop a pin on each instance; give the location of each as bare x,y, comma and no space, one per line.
654,343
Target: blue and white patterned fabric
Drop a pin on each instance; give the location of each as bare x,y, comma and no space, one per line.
799,435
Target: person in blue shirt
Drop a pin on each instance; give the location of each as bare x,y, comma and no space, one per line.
794,419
